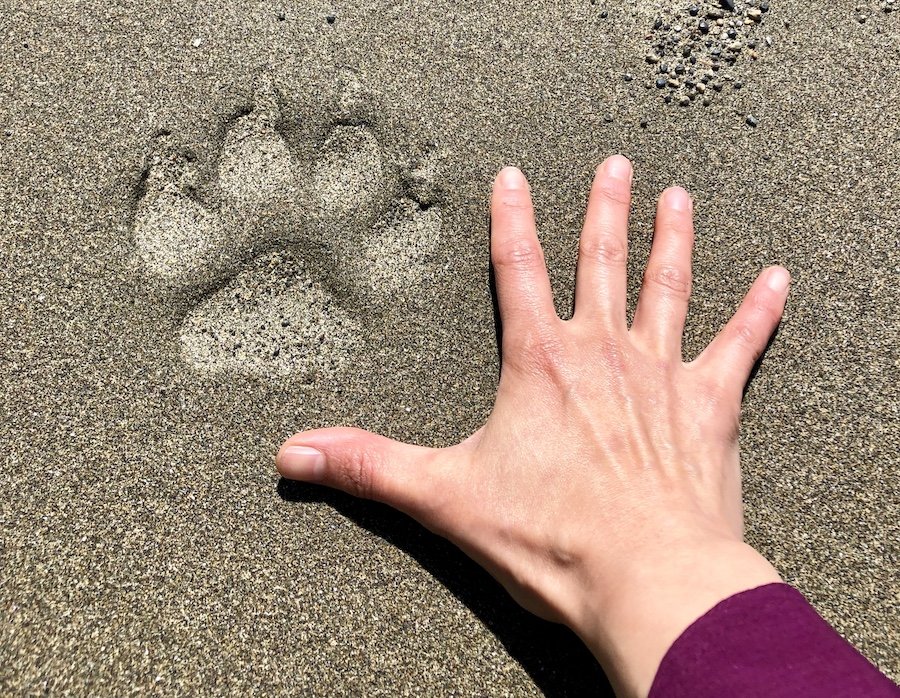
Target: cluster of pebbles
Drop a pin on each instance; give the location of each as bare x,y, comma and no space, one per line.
695,48
862,12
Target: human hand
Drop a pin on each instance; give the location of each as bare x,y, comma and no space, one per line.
604,489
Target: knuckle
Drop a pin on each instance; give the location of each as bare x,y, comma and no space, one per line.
611,354
359,473
612,192
521,254
671,279
717,403
607,249
746,337
542,352
762,305
546,351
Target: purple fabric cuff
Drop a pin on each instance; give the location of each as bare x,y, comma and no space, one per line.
770,642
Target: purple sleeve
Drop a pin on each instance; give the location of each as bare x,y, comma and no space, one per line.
770,642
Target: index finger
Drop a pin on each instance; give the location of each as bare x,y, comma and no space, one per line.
523,287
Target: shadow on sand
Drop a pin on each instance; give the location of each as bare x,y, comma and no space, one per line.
552,655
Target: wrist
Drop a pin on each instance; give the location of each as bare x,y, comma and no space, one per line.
630,623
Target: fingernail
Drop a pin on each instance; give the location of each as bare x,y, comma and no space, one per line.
302,463
679,200
618,167
512,178
778,280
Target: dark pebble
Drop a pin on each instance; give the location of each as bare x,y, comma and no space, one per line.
644,123
693,10
661,82
628,77
727,5
717,86
751,121
608,118
732,34
658,24
738,85
604,14
667,99
331,19
764,6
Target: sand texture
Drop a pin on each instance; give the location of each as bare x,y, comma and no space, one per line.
222,222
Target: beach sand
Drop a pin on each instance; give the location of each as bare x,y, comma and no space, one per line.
223,222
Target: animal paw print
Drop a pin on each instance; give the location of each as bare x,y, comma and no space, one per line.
283,258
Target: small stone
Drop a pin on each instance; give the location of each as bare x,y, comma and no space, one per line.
604,14
331,19
644,123
684,100
738,85
703,26
701,88
706,101
674,83
628,77
764,6
658,24
660,82
608,118
727,5
667,99
196,42
717,86
755,14
752,121
280,16
651,58
693,10
714,13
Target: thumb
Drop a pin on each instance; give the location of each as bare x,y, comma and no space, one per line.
362,464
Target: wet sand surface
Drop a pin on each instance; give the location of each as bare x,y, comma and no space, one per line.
225,222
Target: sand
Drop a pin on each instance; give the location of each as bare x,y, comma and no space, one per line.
225,222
